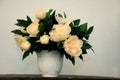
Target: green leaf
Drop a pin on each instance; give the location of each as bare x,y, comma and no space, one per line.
29,20
87,37
41,28
81,57
49,12
86,46
90,30
75,31
76,22
19,32
59,45
65,16
84,51
53,20
83,27
73,60
67,56
25,54
53,14
92,50
23,23
60,15
71,24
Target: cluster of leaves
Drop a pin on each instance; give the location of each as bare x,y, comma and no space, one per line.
45,26
22,23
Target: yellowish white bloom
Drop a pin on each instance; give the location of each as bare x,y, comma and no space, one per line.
60,32
20,40
44,39
25,45
73,46
40,14
32,29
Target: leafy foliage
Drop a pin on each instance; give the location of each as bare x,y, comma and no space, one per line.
24,23
25,55
81,57
72,59
89,31
19,32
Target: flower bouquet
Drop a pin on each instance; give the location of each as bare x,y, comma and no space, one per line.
53,31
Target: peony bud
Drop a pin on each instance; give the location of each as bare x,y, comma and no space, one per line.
19,39
25,45
44,39
40,14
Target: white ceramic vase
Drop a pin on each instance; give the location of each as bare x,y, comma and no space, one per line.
49,62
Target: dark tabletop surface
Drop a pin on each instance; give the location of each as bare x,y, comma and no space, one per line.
60,77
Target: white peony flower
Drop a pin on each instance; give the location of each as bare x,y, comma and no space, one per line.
61,20
73,46
40,14
19,40
25,45
32,29
44,39
60,32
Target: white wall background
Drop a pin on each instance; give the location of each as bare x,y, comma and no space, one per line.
103,14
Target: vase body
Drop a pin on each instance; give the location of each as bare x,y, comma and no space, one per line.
49,62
